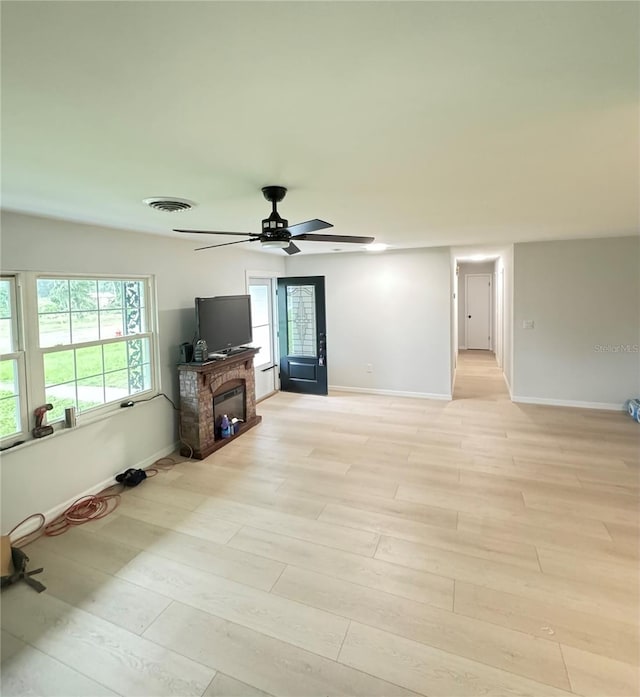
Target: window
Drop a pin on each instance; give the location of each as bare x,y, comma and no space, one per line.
12,382
94,339
260,291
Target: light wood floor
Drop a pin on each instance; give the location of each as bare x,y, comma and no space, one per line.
356,545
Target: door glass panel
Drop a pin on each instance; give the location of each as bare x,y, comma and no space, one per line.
301,321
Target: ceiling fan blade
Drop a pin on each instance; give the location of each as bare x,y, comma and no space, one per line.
225,244
308,226
335,238
291,249
215,232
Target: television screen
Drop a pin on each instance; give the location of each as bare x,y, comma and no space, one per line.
224,322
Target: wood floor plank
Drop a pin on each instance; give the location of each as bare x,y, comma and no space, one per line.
461,499
81,546
289,621
273,500
31,672
338,537
365,571
121,661
513,651
100,594
431,671
568,522
224,686
580,596
481,546
205,555
617,575
550,620
366,502
267,664
9,645
500,527
208,527
595,676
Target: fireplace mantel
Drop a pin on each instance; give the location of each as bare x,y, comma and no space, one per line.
199,382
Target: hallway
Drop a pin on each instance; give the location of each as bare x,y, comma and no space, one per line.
479,377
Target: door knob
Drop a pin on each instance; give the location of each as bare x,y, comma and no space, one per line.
469,316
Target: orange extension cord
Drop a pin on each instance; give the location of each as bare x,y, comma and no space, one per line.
85,509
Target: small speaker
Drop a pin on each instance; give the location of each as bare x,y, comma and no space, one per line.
186,352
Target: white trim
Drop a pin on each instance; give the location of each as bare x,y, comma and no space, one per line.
607,406
462,348
393,393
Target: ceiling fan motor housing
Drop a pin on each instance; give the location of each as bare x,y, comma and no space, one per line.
274,223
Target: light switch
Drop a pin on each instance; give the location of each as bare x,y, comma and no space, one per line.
528,324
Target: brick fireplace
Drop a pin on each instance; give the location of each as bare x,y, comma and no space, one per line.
230,383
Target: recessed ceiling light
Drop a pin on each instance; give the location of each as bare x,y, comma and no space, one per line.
376,247
168,204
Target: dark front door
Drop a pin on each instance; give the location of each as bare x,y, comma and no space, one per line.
302,335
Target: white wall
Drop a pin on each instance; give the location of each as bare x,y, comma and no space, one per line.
582,295
39,476
464,269
390,309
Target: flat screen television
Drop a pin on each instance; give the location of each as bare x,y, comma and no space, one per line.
224,322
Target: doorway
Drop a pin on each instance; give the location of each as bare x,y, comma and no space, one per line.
302,335
262,291
478,295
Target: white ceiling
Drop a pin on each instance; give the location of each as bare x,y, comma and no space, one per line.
421,123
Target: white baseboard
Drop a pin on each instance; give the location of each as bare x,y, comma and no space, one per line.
606,406
391,393
506,382
96,488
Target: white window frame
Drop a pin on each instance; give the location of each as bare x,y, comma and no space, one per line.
31,356
18,354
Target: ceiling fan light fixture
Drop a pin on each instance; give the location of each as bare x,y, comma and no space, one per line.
274,244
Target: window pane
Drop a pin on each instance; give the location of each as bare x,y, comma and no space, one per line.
115,356
5,299
9,399
61,396
6,338
109,294
90,392
55,330
53,295
84,294
89,361
111,324
301,320
259,304
84,327
9,415
59,368
261,339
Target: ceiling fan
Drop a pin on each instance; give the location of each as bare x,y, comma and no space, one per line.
276,231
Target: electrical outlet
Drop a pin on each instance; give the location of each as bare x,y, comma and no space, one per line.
369,367
528,324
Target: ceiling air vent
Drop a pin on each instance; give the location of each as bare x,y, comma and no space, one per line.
169,205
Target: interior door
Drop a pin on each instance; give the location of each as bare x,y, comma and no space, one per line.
302,335
478,311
